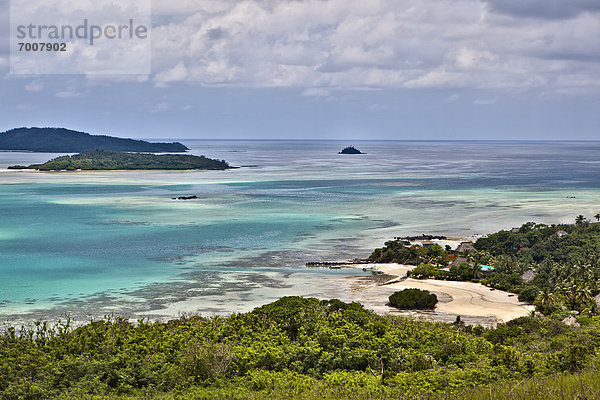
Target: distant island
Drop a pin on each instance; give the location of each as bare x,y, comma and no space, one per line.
112,160
351,150
60,140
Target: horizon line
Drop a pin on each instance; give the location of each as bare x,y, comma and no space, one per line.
380,140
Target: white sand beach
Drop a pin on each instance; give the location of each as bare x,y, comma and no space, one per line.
475,303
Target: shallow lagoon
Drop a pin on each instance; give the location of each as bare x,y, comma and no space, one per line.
92,243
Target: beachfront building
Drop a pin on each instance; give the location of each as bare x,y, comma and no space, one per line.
528,276
464,247
457,261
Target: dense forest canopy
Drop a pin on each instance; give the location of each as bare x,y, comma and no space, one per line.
60,140
287,349
113,160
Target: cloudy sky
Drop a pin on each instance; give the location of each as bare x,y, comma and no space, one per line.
339,69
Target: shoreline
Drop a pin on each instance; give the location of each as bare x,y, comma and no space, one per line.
475,303
349,211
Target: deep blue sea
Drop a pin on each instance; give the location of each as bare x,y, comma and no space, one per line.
87,244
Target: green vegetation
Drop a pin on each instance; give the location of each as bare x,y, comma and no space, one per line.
429,260
111,160
561,264
402,252
463,271
413,299
295,348
304,348
564,261
556,387
60,140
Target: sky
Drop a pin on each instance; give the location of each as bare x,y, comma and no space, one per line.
336,69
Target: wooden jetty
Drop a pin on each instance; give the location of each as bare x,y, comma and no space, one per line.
337,263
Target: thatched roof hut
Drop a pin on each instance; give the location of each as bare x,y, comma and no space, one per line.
464,247
528,276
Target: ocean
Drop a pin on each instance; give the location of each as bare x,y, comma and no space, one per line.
89,244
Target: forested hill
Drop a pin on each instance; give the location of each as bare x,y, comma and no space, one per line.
305,349
60,140
114,160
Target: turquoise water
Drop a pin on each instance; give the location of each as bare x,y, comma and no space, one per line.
92,243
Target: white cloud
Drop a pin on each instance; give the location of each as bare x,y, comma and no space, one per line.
452,98
159,107
187,7
123,55
297,44
378,107
316,92
69,93
34,86
485,102
320,46
467,59
176,74
106,78
436,78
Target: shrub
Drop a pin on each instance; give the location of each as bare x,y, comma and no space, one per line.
424,271
413,299
529,293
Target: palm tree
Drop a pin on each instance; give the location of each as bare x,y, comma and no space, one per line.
475,270
580,271
594,280
583,297
597,216
543,299
579,219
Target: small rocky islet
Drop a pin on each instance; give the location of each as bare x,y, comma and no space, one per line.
351,150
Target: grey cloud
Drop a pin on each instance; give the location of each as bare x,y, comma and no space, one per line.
571,56
544,9
342,44
387,43
216,33
4,28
